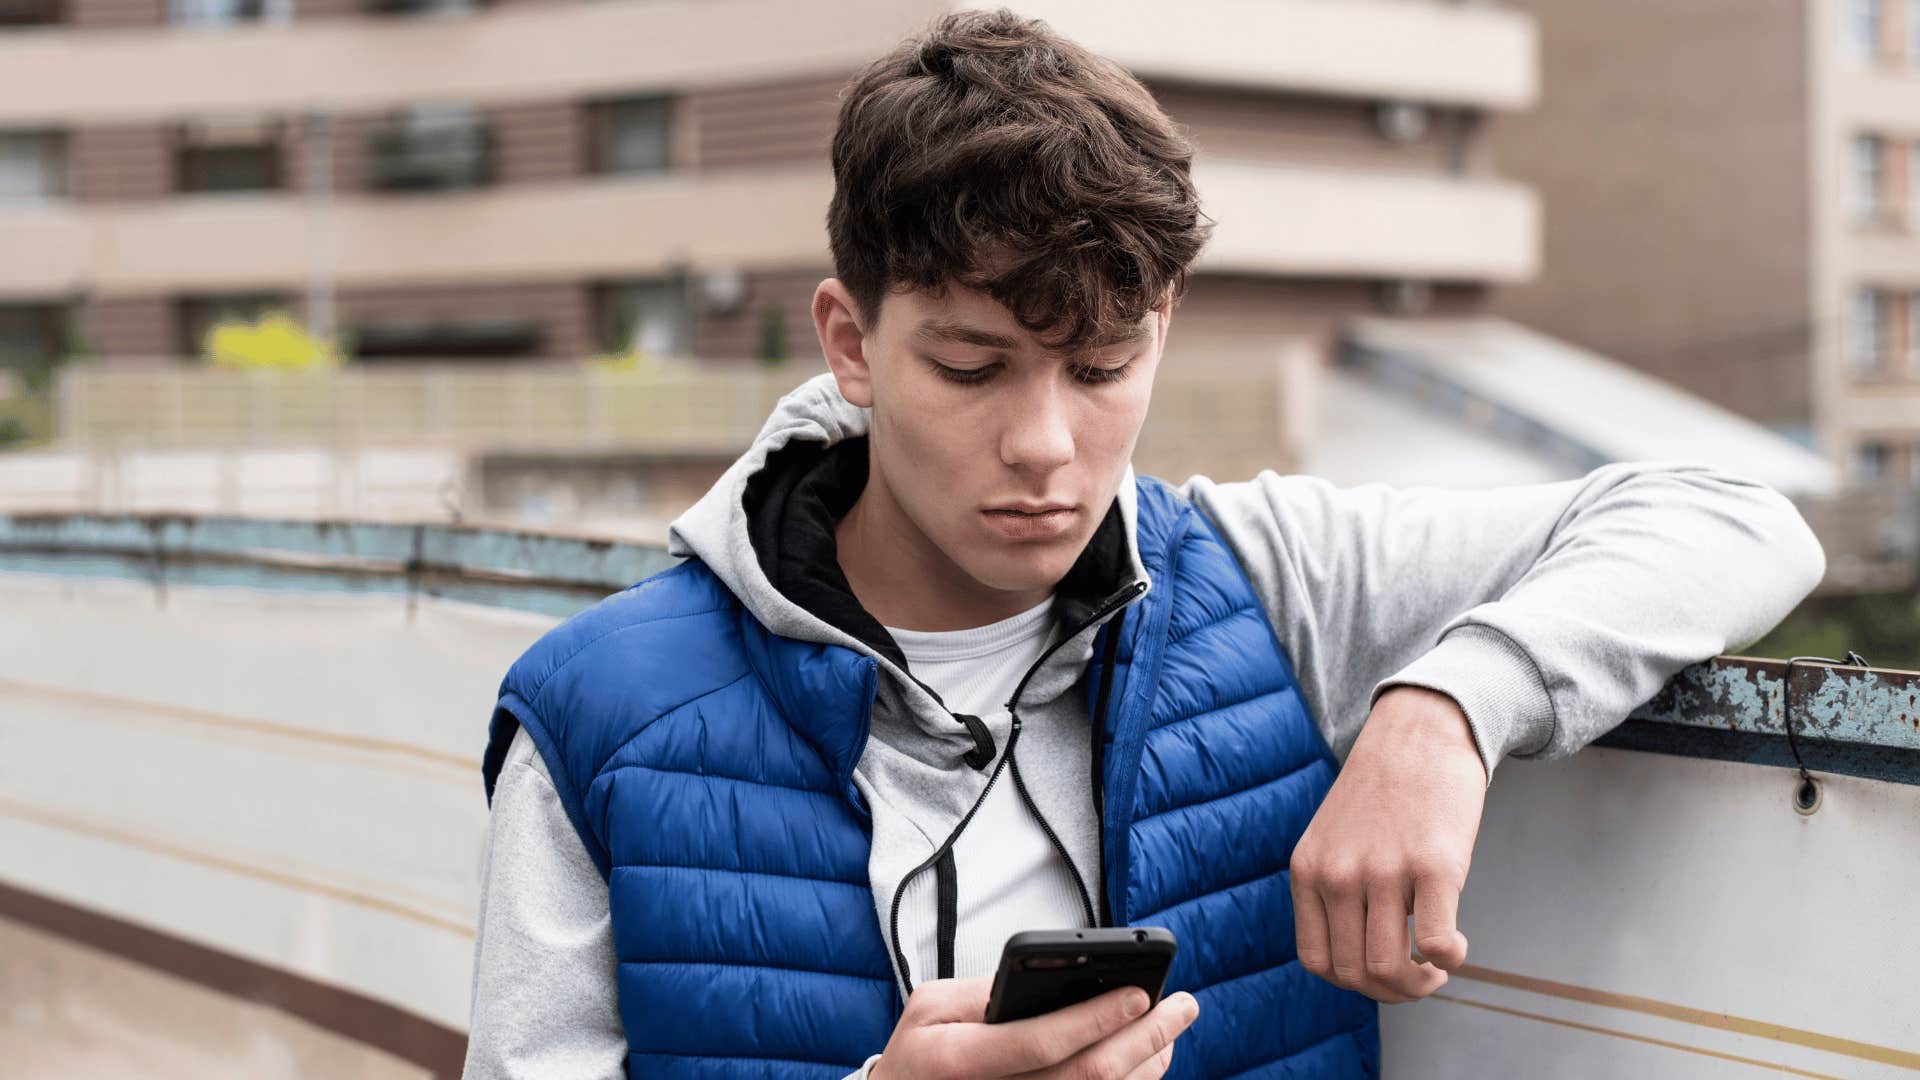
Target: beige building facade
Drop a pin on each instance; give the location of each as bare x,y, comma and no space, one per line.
1732,203
551,179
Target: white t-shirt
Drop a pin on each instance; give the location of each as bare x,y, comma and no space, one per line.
1008,874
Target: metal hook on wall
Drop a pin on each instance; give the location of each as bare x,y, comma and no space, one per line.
1806,797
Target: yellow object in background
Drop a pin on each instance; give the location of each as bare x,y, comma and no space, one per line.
277,341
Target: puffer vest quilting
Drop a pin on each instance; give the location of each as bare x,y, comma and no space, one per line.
708,767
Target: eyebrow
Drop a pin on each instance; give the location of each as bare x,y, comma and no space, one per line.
949,330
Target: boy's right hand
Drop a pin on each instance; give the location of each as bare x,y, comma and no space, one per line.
943,1035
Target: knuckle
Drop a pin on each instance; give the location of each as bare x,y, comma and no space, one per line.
1348,976
1344,881
1382,967
1437,867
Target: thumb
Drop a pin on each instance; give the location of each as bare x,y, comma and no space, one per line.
1436,935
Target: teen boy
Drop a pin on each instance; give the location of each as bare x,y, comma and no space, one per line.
939,668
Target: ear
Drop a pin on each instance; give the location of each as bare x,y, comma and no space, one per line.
843,341
1164,315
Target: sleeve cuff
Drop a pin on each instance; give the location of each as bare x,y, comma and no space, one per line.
1495,683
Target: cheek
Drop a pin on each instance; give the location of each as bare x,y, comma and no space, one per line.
1112,424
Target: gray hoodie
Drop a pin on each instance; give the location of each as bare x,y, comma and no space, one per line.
1547,611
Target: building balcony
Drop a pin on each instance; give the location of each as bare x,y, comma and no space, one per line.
1470,55
1343,222
1272,219
267,241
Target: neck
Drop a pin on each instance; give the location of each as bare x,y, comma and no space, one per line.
904,581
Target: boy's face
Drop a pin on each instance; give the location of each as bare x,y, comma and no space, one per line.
998,456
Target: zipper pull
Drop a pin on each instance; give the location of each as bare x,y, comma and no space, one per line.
983,751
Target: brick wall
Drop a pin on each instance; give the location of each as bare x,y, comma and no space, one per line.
1247,125
1672,166
111,14
120,162
773,124
130,326
538,142
737,336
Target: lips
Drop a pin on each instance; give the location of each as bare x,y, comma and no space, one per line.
1031,521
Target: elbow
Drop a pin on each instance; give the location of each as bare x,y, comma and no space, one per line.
1806,556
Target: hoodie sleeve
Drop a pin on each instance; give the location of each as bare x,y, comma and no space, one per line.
544,998
1547,611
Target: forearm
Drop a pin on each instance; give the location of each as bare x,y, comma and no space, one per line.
1547,611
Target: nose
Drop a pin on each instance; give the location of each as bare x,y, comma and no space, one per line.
1038,436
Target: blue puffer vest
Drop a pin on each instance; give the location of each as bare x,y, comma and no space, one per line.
708,766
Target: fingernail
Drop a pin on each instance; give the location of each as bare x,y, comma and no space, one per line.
1192,1006
1135,1004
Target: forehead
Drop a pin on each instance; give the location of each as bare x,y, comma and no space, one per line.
965,316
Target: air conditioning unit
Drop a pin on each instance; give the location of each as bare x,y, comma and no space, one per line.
1402,121
1403,296
723,290
429,148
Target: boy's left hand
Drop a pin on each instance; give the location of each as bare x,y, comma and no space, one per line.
1394,836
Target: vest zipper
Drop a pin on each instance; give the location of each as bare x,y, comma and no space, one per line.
1118,600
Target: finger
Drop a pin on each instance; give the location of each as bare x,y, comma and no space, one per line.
1154,1067
949,1001
1310,927
1038,1042
1133,1046
1392,975
1347,930
1436,906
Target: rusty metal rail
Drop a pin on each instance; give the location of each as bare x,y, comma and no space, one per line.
1846,719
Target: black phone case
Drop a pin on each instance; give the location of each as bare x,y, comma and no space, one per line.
1044,970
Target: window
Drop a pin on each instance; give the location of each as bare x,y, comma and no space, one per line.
1867,332
1870,460
1913,186
29,12
1863,29
447,337
652,316
429,146
215,12
229,154
1913,334
421,7
200,314
633,135
31,336
32,166
1869,177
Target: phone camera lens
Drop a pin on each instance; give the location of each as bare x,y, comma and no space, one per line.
1140,936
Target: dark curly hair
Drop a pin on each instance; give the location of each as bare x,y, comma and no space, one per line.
993,152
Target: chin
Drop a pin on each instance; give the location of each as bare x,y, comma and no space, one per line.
1023,569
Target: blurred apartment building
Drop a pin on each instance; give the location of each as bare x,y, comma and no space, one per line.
1732,203
536,181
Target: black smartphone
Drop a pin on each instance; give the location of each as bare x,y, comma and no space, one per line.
1044,970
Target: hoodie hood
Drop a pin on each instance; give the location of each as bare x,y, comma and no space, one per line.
766,529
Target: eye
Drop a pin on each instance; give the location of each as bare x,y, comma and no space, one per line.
963,376
1095,375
